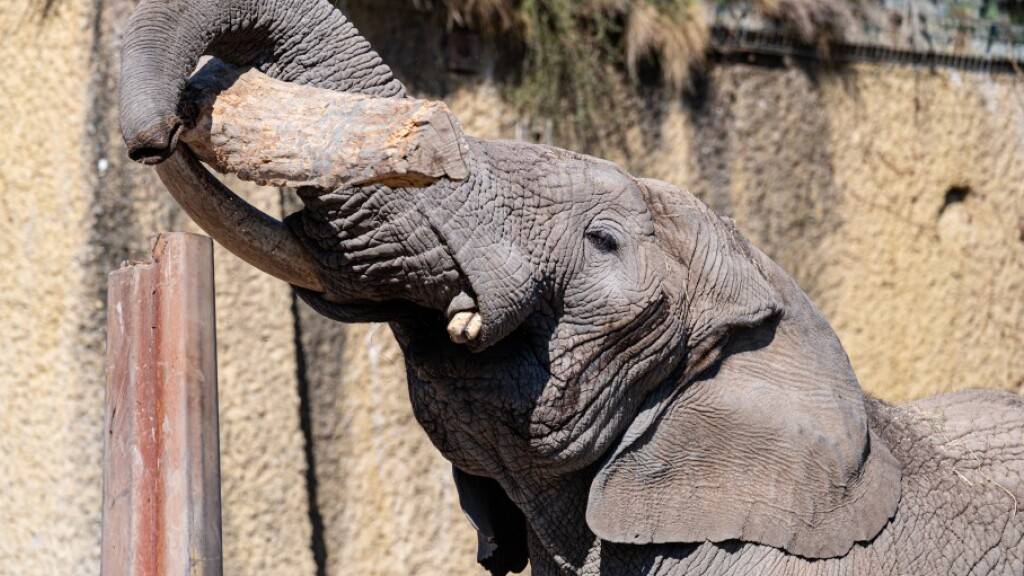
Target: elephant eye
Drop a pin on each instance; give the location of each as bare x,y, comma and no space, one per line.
603,240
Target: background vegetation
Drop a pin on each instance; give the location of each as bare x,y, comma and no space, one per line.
581,55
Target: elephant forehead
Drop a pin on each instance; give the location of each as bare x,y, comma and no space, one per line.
553,176
611,186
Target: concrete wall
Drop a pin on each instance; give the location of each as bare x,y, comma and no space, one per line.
73,208
844,177
51,371
895,197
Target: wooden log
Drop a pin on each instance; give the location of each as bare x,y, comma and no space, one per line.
161,460
243,122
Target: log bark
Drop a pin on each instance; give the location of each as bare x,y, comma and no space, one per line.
243,122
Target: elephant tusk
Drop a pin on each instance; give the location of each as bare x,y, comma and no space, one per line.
246,232
465,326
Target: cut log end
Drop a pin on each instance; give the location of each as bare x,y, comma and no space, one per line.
243,122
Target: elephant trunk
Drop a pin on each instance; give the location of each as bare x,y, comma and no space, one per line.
302,41
246,232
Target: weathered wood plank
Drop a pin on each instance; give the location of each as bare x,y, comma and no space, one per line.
283,134
161,464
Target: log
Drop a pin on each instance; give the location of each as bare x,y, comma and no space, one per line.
161,456
243,122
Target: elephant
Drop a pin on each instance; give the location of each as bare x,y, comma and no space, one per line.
621,381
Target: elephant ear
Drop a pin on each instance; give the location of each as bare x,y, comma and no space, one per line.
500,525
769,444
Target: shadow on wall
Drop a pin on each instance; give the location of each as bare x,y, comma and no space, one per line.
894,195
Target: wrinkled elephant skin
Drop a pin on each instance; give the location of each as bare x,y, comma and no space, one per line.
623,384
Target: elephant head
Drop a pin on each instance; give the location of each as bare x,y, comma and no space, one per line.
563,323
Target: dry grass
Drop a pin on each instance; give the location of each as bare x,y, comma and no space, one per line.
677,37
494,15
816,22
577,52
673,33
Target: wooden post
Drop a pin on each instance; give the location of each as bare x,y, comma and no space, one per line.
161,460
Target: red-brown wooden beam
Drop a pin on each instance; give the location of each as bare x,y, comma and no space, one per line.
161,460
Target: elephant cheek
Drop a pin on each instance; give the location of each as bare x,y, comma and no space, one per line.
379,262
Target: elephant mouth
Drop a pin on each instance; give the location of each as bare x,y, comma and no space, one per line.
404,249
378,243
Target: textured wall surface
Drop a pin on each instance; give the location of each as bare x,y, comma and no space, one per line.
894,195
928,265
50,376
73,208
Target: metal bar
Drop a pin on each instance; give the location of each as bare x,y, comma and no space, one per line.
161,461
729,42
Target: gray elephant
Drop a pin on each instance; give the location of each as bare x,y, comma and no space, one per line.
626,385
